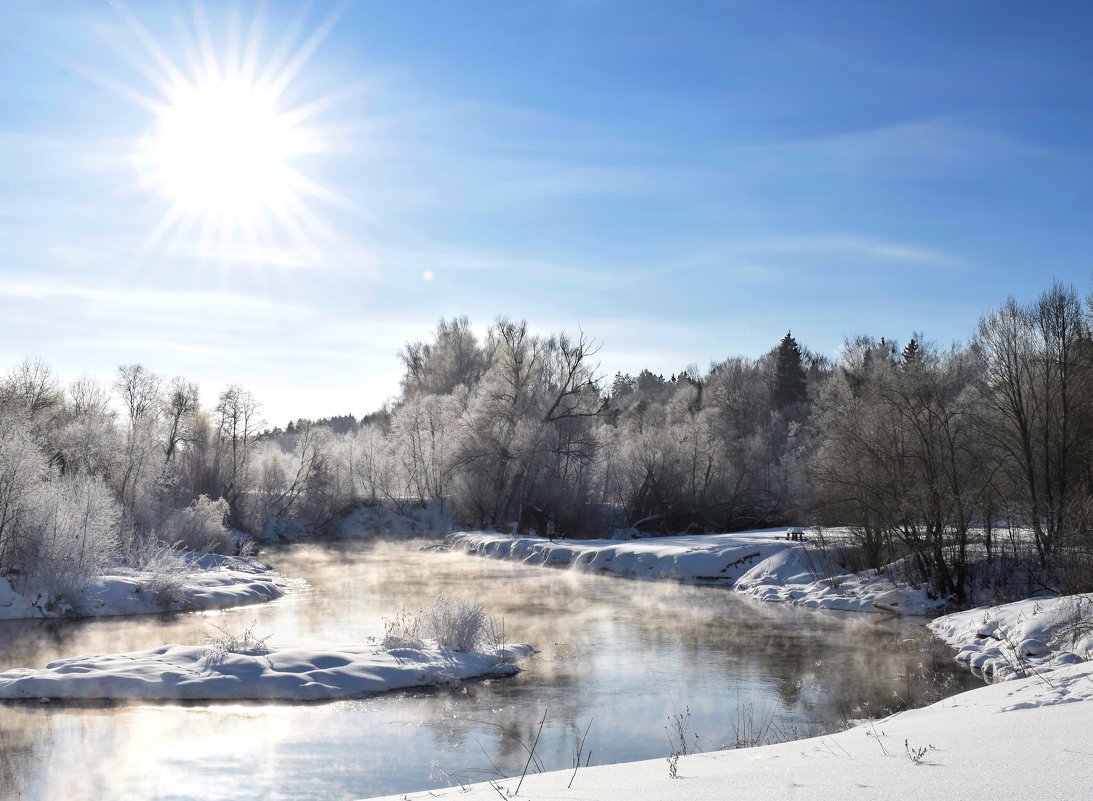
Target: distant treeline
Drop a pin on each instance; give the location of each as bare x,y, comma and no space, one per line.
970,464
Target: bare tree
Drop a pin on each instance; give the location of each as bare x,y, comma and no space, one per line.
1036,380
31,388
87,439
138,389
180,405
237,423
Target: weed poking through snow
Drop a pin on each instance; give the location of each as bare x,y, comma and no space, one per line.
916,755
227,642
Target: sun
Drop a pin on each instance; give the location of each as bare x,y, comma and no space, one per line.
225,152
221,149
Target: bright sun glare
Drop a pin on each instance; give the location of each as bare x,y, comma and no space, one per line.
222,149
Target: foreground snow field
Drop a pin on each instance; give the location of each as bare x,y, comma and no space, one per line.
300,672
215,582
1019,740
763,564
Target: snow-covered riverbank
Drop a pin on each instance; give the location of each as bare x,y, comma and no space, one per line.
764,564
1007,742
1024,638
1017,739
212,582
296,672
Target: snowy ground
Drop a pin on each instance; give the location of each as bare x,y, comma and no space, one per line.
763,564
297,672
1014,741
215,582
1024,638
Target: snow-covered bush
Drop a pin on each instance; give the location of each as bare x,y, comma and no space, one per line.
165,568
200,526
462,626
75,535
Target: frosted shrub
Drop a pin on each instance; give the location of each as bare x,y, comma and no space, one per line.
22,469
62,530
462,626
165,568
200,526
402,631
77,534
225,642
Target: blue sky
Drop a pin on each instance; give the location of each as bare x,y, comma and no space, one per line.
685,181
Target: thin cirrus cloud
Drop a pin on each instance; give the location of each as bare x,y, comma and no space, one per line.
923,146
768,260
150,301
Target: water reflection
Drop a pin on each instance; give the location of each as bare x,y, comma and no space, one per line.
626,655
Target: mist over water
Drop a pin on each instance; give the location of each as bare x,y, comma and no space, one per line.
626,655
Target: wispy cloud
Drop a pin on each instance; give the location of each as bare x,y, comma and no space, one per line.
176,303
847,244
771,259
927,146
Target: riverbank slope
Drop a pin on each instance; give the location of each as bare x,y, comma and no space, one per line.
209,581
766,565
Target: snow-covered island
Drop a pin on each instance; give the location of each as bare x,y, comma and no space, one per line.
208,581
292,672
444,643
766,565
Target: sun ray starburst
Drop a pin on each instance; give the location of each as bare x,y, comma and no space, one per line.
225,149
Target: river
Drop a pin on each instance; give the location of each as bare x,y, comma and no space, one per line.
631,658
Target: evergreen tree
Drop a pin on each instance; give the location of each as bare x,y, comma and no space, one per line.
790,381
622,385
912,352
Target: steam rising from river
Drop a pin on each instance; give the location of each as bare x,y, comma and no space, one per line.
627,653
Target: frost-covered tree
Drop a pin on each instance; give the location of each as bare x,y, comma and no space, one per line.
525,433
87,438
180,406
237,423
138,390
31,388
452,359
423,433
23,472
75,534
199,526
